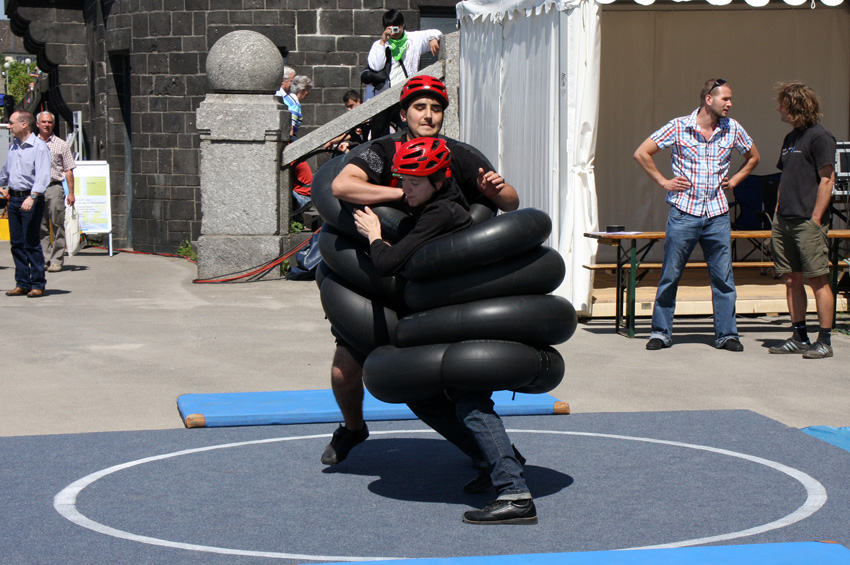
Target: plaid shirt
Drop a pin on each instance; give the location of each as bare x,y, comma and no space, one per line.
61,159
703,162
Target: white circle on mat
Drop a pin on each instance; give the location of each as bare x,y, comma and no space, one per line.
65,502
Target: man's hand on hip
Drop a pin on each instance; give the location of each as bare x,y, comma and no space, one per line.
676,184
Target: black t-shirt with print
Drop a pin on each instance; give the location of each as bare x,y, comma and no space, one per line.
804,152
376,159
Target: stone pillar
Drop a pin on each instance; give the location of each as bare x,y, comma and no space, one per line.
243,128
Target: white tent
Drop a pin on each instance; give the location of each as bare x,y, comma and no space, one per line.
533,92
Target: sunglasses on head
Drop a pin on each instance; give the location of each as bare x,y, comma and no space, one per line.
718,82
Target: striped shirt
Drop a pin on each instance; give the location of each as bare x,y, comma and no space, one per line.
703,162
294,107
61,159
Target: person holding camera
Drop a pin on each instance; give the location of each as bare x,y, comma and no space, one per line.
399,50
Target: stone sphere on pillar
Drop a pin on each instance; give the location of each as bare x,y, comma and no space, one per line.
244,61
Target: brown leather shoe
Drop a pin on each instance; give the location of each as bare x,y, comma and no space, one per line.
17,291
35,293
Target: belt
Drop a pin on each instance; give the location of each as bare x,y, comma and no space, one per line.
55,182
19,192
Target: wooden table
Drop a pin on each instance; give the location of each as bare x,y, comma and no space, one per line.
631,254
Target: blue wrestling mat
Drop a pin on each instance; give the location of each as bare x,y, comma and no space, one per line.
839,437
773,553
319,406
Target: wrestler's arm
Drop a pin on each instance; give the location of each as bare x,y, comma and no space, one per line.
389,259
493,186
352,185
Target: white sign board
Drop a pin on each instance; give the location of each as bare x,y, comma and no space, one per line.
92,196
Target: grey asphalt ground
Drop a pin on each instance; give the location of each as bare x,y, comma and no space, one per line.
116,340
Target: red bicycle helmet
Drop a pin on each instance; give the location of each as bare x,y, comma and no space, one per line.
424,85
421,157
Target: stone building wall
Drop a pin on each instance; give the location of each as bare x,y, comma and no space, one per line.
136,70
10,44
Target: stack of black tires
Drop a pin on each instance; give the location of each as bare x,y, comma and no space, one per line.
470,311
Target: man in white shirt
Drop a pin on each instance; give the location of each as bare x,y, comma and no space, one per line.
405,48
285,83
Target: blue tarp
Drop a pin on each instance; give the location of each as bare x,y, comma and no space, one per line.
836,436
318,406
768,553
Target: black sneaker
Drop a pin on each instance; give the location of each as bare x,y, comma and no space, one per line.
790,346
655,344
732,344
342,442
818,350
482,482
504,512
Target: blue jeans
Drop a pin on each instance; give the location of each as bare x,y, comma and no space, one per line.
469,421
713,234
24,228
300,199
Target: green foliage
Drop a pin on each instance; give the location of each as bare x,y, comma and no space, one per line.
296,227
186,250
18,79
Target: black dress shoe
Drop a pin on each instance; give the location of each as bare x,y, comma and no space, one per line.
482,482
17,291
504,512
655,344
732,344
343,441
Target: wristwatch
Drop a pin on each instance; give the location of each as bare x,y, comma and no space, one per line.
34,197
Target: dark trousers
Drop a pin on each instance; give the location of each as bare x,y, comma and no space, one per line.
24,228
380,123
469,421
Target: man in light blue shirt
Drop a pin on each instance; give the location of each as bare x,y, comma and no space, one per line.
25,177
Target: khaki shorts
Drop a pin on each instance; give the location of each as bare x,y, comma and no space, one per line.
800,246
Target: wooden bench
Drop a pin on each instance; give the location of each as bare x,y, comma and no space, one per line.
697,265
633,247
688,265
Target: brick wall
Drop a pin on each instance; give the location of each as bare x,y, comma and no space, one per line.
143,61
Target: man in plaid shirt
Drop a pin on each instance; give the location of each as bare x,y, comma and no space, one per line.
702,146
62,167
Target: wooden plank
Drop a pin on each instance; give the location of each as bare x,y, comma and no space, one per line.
757,294
691,265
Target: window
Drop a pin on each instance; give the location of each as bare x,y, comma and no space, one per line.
441,18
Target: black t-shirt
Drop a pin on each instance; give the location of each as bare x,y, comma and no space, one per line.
445,213
376,159
804,152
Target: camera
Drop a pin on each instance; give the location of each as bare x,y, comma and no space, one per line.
395,29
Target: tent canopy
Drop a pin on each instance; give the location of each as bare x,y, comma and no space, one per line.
510,8
530,97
